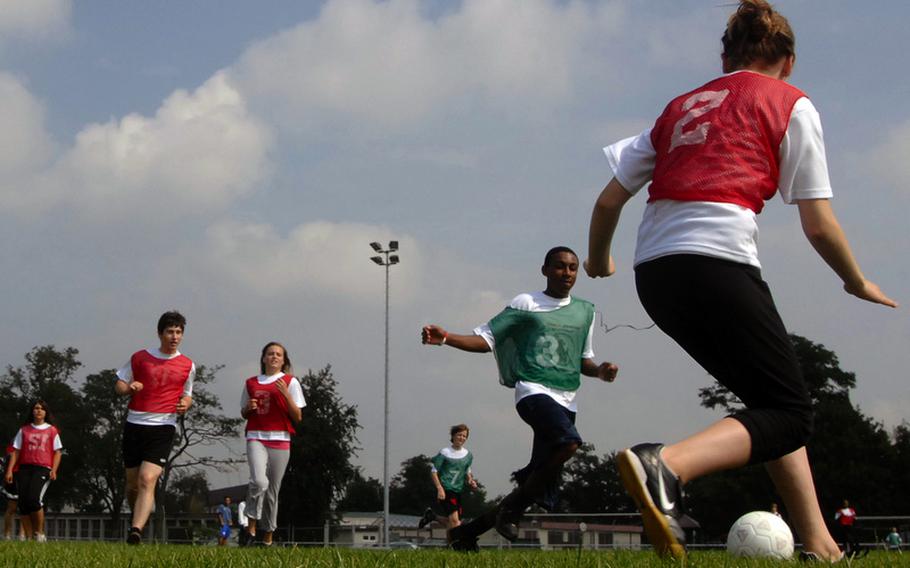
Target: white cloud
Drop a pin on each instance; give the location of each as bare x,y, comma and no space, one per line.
24,143
386,64
201,149
34,19
888,161
318,258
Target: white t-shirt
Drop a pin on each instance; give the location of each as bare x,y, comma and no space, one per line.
125,374
721,230
296,392
540,302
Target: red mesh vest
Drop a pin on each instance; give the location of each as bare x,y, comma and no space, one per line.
272,414
162,382
37,446
721,141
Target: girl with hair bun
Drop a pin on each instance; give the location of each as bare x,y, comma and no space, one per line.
713,157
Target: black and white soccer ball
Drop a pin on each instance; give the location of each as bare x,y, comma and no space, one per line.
760,534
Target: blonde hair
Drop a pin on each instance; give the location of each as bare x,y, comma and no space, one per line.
756,32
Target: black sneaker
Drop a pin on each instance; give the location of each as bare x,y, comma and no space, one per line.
658,495
134,537
507,522
813,557
428,517
461,541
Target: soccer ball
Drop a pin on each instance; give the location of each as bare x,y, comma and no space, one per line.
760,533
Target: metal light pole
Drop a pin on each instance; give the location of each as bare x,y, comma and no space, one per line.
386,259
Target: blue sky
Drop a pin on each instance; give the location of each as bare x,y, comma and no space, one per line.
234,160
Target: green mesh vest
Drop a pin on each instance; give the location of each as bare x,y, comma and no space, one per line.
542,347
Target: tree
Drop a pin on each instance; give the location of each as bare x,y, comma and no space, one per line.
412,489
592,485
202,427
321,452
188,493
361,494
102,480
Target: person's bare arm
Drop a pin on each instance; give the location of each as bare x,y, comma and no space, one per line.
827,238
604,219
440,490
435,335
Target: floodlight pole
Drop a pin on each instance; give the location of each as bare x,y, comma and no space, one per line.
386,261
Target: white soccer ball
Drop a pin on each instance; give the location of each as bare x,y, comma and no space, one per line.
761,534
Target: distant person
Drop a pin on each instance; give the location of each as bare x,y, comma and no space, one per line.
37,450
713,157
225,520
450,472
11,494
542,342
272,404
774,510
894,541
846,519
159,383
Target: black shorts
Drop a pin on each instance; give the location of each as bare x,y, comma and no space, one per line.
723,315
146,443
33,481
449,505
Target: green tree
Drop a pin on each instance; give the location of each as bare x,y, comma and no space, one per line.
321,453
361,494
411,489
591,484
188,493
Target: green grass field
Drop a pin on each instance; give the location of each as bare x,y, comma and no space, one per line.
107,555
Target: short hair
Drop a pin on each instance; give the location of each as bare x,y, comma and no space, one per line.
556,250
172,318
287,367
459,428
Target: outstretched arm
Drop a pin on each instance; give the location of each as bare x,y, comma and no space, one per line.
826,236
604,219
606,371
435,335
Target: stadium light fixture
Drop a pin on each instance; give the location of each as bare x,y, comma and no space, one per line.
386,260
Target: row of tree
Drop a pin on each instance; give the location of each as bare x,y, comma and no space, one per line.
853,456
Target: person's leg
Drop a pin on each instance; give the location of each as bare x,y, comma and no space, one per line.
144,501
38,522
792,477
277,464
8,518
257,458
25,527
726,444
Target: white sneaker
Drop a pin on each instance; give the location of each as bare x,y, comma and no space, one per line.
40,537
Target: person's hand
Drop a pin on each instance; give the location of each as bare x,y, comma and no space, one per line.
607,371
433,335
252,406
870,292
440,494
9,476
473,483
599,269
53,475
283,388
135,386
182,406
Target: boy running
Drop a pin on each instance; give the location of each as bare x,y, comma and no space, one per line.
159,383
542,343
450,471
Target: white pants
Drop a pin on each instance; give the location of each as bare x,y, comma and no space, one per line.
267,467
